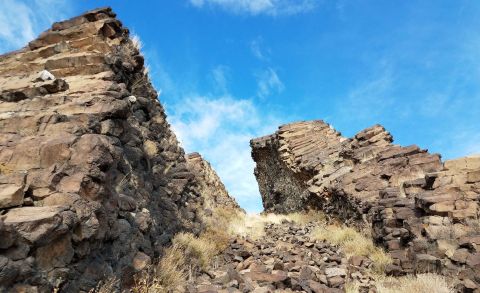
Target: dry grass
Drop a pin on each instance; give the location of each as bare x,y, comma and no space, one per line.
188,254
200,249
253,225
352,287
107,286
170,273
422,283
353,243
136,42
308,217
250,225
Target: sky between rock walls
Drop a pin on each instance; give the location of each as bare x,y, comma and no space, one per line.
231,70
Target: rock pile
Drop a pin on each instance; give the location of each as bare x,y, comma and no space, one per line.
93,182
286,259
423,210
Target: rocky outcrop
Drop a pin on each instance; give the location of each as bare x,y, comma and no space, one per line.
213,192
423,210
93,182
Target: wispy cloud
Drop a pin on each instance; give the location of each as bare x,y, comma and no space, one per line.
368,100
220,128
220,77
22,21
258,50
458,142
269,83
257,7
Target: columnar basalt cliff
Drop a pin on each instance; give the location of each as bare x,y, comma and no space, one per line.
213,192
425,212
93,182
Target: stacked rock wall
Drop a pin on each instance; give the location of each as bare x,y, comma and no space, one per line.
423,211
93,182
213,193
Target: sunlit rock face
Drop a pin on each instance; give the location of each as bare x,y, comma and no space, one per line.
92,180
423,211
213,193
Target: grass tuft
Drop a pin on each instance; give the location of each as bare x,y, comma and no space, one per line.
353,243
188,254
422,283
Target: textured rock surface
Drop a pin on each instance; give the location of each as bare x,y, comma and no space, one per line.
92,179
424,211
211,188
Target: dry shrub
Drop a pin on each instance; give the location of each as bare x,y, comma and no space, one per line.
170,273
198,249
217,226
353,243
352,287
422,283
109,285
187,254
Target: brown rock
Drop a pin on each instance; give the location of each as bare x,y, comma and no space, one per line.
141,261
37,224
11,195
274,277
58,253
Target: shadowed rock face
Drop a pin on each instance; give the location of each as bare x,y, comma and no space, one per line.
92,180
424,211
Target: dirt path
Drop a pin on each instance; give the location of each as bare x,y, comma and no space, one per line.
284,259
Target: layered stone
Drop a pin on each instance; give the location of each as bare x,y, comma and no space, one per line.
93,182
417,206
213,192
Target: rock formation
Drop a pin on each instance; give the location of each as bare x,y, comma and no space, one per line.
425,212
213,192
93,182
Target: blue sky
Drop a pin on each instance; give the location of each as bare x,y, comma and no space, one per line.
230,70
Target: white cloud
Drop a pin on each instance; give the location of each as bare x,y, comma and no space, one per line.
220,77
22,21
256,7
256,46
220,128
269,83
